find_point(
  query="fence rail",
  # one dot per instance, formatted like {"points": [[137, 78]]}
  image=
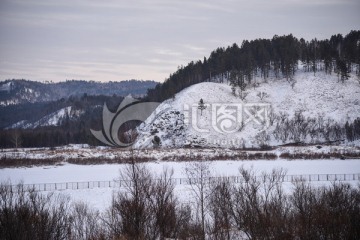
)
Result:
{"points": [[184, 181]]}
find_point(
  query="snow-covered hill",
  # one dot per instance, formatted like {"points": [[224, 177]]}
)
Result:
{"points": [[313, 104], [53, 119]]}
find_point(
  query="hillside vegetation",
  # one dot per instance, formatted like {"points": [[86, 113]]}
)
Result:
{"points": [[340, 55]]}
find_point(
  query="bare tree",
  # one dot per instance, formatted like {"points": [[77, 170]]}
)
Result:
{"points": [[292, 83], [198, 174], [272, 116], [220, 206], [148, 208], [128, 214], [16, 138], [85, 223], [170, 218]]}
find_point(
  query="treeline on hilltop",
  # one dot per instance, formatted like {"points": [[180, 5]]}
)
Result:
{"points": [[280, 55]]}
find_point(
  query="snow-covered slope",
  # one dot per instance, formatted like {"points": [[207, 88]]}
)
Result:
{"points": [[53, 119], [320, 98]]}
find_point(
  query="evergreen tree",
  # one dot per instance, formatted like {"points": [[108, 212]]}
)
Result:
{"points": [[201, 106], [342, 69]]}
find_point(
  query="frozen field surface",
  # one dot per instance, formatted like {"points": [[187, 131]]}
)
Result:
{"points": [[109, 172], [100, 198]]}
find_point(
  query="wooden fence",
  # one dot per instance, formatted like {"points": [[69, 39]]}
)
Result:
{"points": [[185, 181]]}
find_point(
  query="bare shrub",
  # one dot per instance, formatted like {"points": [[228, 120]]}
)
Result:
{"points": [[263, 139], [259, 206], [169, 217], [6, 162], [253, 206], [326, 213], [148, 209], [129, 212], [27, 214], [220, 209], [85, 223]]}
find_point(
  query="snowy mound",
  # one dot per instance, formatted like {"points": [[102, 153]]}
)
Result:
{"points": [[273, 113]]}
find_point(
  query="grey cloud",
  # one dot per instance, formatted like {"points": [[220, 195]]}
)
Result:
{"points": [[115, 40]]}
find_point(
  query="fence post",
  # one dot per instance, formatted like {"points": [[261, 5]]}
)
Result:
{"points": [[77, 185]]}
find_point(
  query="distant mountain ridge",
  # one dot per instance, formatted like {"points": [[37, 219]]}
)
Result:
{"points": [[55, 113], [15, 91]]}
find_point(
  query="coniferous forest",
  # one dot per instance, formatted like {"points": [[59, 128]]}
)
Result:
{"points": [[280, 55]]}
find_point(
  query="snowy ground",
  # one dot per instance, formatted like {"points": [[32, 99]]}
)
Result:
{"points": [[84, 152], [100, 198]]}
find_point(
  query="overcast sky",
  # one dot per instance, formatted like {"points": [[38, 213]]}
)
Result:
{"points": [[108, 40]]}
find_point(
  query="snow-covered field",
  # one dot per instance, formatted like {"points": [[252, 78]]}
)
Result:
{"points": [[84, 152], [108, 172], [100, 198]]}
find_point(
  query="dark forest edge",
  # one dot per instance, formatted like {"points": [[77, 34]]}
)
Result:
{"points": [[281, 54]]}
